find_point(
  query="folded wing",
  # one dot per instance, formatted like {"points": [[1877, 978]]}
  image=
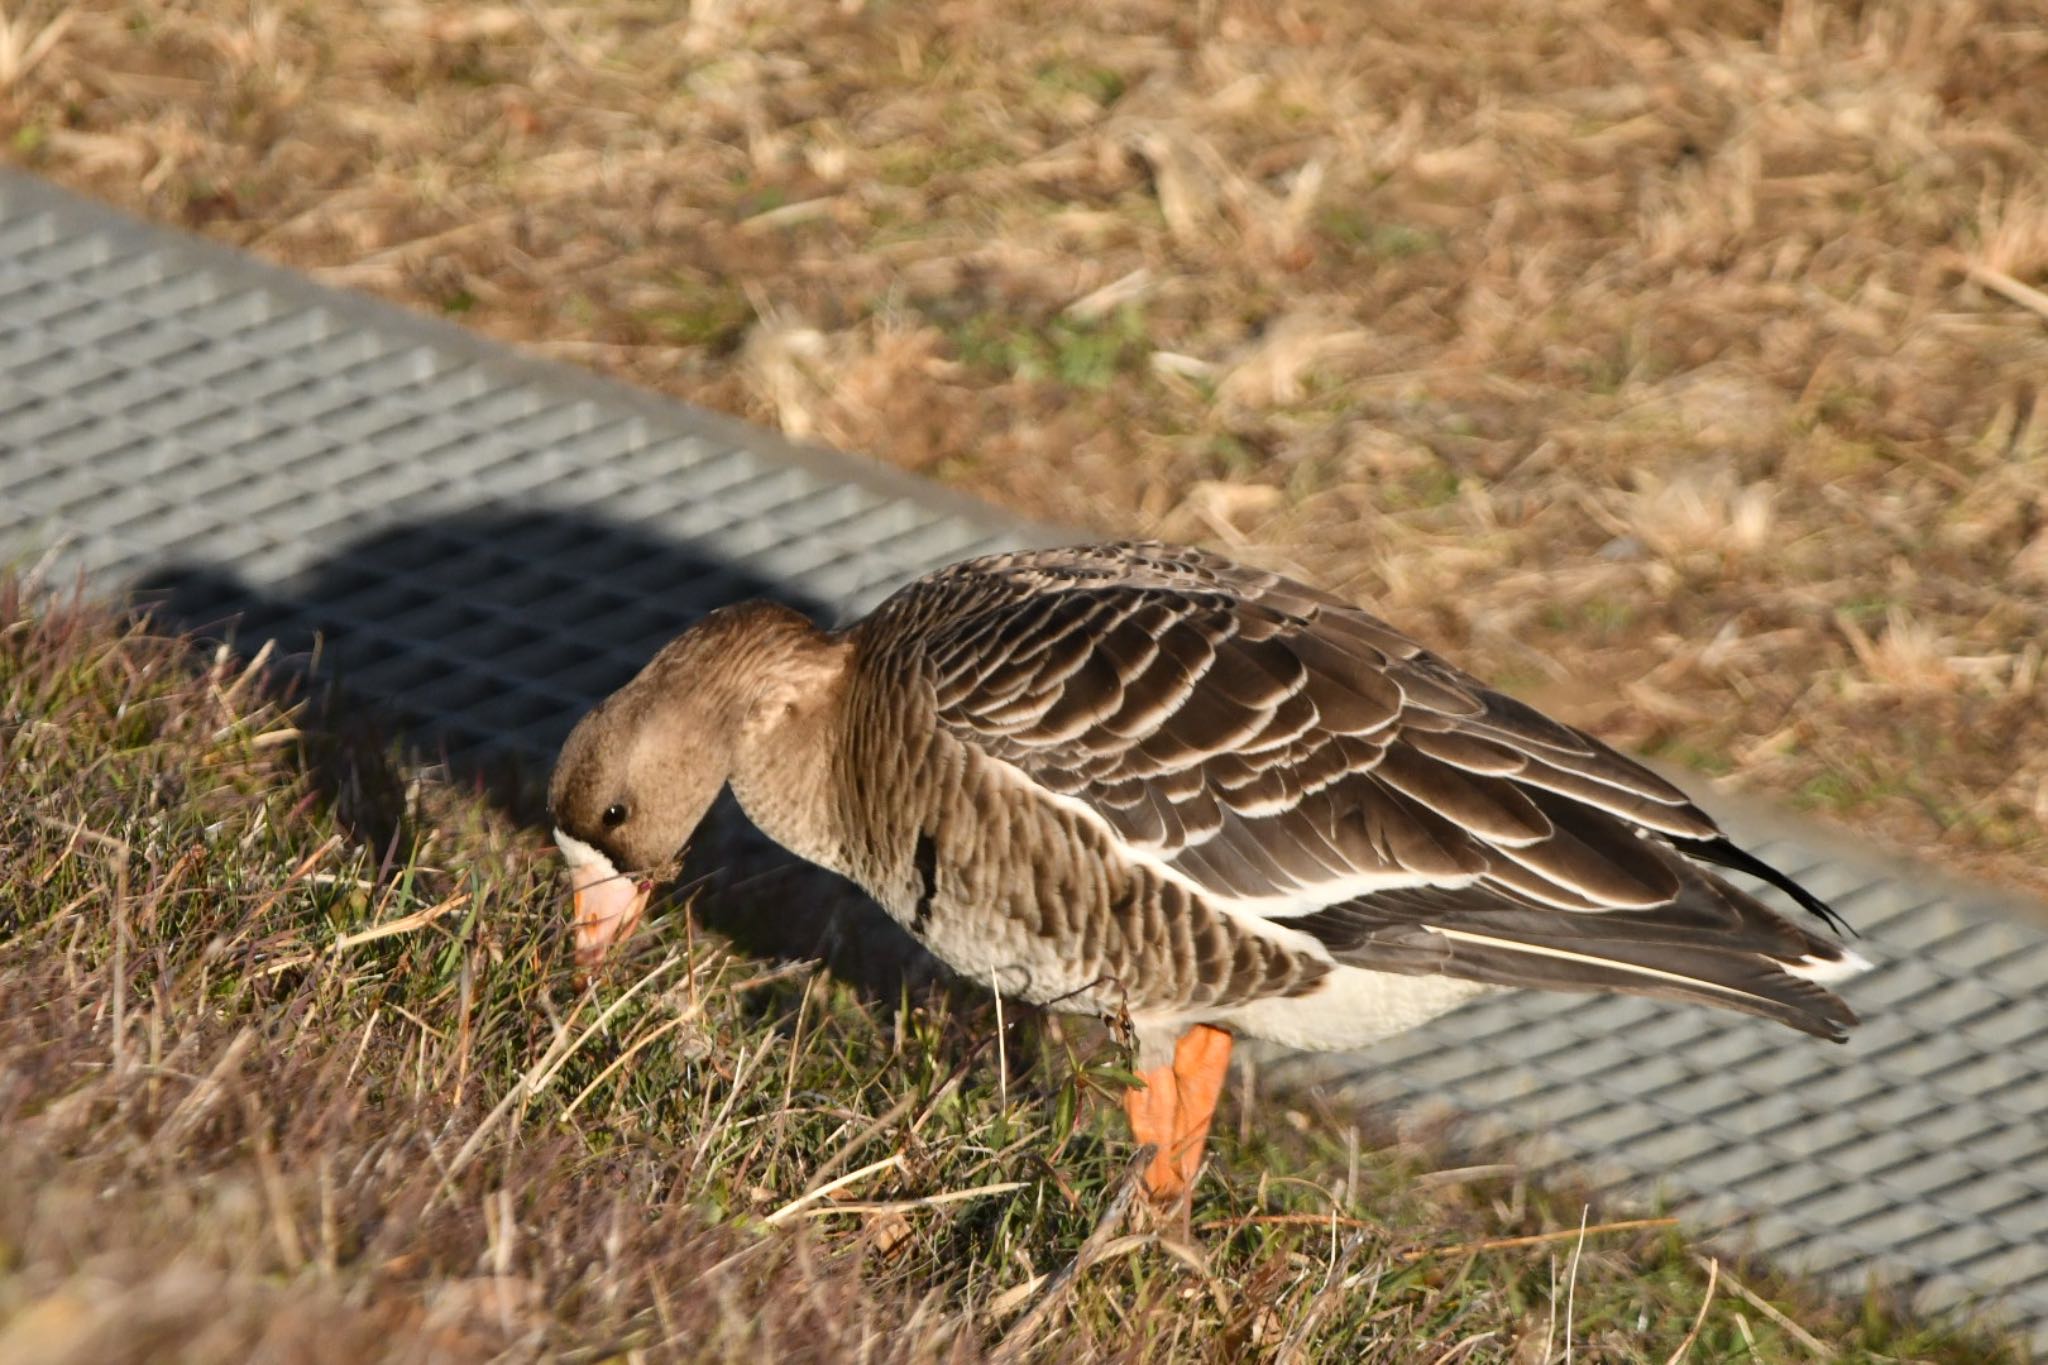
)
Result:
{"points": [[1295, 760]]}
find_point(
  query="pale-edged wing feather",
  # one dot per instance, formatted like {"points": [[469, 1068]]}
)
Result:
{"points": [[1289, 756], [1710, 943]]}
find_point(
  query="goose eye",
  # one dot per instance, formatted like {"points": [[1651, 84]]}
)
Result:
{"points": [[614, 816]]}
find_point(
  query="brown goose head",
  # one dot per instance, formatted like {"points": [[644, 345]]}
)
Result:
{"points": [[637, 774]]}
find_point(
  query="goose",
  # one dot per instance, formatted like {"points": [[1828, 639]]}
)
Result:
{"points": [[1197, 799]]}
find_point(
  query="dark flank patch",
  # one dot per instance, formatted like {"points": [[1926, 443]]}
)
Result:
{"points": [[927, 879]]}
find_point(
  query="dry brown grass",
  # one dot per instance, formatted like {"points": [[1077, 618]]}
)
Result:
{"points": [[1698, 348]]}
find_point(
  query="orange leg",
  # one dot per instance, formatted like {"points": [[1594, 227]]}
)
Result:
{"points": [[1174, 1107]]}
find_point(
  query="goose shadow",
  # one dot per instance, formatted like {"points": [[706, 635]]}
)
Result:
{"points": [[475, 642]]}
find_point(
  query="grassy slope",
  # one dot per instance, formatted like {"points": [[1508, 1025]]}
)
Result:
{"points": [[1687, 343], [289, 1062]]}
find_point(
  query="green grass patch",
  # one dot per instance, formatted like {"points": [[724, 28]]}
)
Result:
{"points": [[701, 313], [1350, 226], [1083, 354], [1066, 75]]}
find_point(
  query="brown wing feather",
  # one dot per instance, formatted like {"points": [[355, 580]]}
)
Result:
{"points": [[1290, 755], [1165, 687]]}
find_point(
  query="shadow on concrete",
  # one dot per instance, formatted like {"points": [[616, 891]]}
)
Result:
{"points": [[475, 642]]}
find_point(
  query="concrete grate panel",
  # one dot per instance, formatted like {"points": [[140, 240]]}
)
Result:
{"points": [[489, 543]]}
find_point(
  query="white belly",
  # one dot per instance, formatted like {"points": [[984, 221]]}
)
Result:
{"points": [[1352, 1008]]}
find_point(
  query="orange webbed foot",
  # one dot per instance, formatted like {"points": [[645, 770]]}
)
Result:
{"points": [[1174, 1108]]}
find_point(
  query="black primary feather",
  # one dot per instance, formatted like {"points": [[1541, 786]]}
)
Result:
{"points": [[1722, 852]]}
